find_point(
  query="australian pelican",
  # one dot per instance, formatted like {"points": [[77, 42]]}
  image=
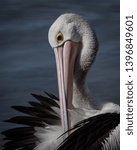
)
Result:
{"points": [[73, 121]]}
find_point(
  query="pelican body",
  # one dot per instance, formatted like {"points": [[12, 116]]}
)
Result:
{"points": [[73, 121]]}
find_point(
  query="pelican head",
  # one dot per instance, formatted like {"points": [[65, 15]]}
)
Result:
{"points": [[75, 46]]}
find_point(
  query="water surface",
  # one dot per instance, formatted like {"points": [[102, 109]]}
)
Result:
{"points": [[27, 63]]}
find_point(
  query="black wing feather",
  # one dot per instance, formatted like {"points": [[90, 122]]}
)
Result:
{"points": [[19, 143], [49, 102], [39, 114], [90, 133], [52, 96], [16, 133], [34, 111], [27, 120]]}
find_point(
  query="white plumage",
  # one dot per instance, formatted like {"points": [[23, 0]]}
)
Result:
{"points": [[49, 136]]}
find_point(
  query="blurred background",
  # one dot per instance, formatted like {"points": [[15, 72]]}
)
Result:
{"points": [[27, 63]]}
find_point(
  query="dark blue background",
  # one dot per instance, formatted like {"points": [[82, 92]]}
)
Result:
{"points": [[27, 63]]}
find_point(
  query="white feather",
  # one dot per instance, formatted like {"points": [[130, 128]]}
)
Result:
{"points": [[113, 141], [48, 137]]}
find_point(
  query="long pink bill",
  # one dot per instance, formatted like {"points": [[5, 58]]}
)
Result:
{"points": [[65, 60]]}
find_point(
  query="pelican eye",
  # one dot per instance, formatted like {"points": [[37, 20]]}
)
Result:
{"points": [[59, 37]]}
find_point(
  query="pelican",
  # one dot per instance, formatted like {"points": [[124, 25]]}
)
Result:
{"points": [[73, 121]]}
